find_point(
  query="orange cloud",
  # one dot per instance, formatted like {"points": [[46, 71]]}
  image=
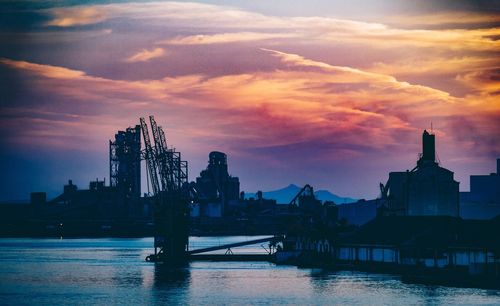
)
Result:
{"points": [[342, 109], [446, 18], [485, 81], [44, 70], [74, 16]]}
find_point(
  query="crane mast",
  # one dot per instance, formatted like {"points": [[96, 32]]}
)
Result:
{"points": [[168, 175]]}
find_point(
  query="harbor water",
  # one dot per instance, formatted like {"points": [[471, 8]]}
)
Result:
{"points": [[113, 272]]}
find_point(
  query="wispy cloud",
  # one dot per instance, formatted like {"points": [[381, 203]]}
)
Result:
{"points": [[323, 29], [146, 55], [224, 38], [445, 19], [416, 66], [44, 70]]}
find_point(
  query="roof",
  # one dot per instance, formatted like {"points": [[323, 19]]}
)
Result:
{"points": [[428, 231]]}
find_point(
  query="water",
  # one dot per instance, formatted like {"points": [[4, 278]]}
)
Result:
{"points": [[113, 272]]}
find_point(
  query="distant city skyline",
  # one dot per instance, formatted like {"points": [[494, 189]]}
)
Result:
{"points": [[327, 93]]}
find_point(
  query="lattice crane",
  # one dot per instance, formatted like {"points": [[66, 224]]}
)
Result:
{"points": [[168, 176]]}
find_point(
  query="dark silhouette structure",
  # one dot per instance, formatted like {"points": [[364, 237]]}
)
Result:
{"points": [[486, 188], [426, 190], [428, 149], [360, 212], [483, 199], [125, 162], [168, 176], [216, 188], [444, 250], [97, 202]]}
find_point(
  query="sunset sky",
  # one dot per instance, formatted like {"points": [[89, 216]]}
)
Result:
{"points": [[331, 93]]}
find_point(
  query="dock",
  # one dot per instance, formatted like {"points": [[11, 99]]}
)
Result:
{"points": [[231, 245], [231, 257]]}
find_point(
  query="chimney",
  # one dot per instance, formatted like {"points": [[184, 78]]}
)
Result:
{"points": [[429, 147]]}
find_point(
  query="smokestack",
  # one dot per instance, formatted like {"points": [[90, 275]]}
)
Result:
{"points": [[428, 147], [498, 166]]}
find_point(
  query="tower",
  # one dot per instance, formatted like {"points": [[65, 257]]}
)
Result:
{"points": [[125, 162], [216, 185], [428, 147]]}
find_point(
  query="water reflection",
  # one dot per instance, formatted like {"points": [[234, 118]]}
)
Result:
{"points": [[113, 272], [171, 277], [171, 284]]}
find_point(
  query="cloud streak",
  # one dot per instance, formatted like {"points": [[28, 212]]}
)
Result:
{"points": [[146, 55], [323, 29], [224, 38]]}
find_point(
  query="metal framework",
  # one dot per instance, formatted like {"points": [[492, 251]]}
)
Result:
{"points": [[125, 162], [306, 190], [169, 180]]}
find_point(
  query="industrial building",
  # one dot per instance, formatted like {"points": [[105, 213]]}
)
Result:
{"points": [[451, 250], [360, 212], [426, 190], [97, 202], [483, 199], [216, 188], [125, 162]]}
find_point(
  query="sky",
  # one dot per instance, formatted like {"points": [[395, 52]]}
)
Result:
{"points": [[335, 94]]}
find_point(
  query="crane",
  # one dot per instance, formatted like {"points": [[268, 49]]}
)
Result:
{"points": [[168, 175]]}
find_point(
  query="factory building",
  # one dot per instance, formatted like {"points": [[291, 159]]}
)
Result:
{"points": [[360, 212], [426, 190], [97, 202], [216, 188], [483, 199]]}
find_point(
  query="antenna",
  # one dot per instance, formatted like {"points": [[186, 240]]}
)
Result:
{"points": [[431, 128]]}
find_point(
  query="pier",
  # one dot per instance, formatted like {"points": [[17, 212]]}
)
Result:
{"points": [[201, 254]]}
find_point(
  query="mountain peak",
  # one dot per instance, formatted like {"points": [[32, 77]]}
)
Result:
{"points": [[285, 195]]}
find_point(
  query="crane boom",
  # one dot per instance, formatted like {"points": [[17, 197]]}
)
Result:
{"points": [[169, 178], [150, 158]]}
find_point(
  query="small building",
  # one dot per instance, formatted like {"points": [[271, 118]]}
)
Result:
{"points": [[483, 199]]}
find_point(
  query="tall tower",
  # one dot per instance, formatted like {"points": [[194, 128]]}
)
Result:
{"points": [[428, 147], [215, 184], [125, 162], [217, 165]]}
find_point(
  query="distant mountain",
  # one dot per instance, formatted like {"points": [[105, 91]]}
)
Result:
{"points": [[286, 194]]}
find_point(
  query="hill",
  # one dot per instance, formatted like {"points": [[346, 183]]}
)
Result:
{"points": [[286, 194]]}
